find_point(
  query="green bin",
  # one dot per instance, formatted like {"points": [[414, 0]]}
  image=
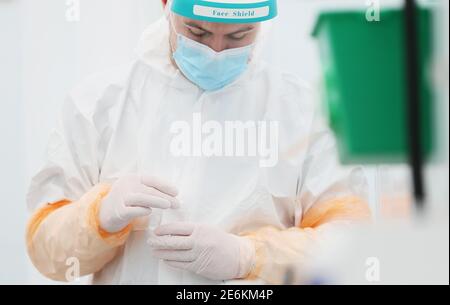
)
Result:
{"points": [[366, 85]]}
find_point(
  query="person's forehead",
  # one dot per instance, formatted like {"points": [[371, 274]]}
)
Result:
{"points": [[215, 27]]}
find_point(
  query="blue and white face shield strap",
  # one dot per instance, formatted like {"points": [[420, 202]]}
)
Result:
{"points": [[226, 11]]}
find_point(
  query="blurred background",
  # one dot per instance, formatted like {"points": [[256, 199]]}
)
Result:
{"points": [[48, 46]]}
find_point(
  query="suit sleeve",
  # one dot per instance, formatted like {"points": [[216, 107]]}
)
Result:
{"points": [[330, 198], [65, 195]]}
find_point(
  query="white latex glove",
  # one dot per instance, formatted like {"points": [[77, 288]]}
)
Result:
{"points": [[134, 196], [204, 250]]}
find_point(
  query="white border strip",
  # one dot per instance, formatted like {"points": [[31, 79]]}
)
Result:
{"points": [[227, 13]]}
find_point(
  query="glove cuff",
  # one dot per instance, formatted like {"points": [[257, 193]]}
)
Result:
{"points": [[247, 257], [114, 239]]}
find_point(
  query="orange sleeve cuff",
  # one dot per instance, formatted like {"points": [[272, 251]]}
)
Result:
{"points": [[40, 215], [349, 208], [116, 238], [113, 239], [277, 249]]}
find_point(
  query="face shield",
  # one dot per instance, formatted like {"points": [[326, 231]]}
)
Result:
{"points": [[211, 48]]}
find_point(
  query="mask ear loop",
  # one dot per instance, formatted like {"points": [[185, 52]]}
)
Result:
{"points": [[170, 16], [167, 9]]}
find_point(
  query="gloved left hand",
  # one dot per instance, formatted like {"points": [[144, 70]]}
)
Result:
{"points": [[204, 250]]}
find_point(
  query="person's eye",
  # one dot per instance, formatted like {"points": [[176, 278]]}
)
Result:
{"points": [[197, 32], [238, 37]]}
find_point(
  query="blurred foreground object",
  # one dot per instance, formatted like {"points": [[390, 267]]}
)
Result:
{"points": [[365, 82], [390, 254], [379, 92]]}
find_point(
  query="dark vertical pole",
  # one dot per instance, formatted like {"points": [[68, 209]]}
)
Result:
{"points": [[413, 99]]}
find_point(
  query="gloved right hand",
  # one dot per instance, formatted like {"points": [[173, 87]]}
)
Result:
{"points": [[134, 196]]}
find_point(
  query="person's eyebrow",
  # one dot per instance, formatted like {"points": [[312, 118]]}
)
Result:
{"points": [[193, 25]]}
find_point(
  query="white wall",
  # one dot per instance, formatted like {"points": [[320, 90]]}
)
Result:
{"points": [[12, 223], [66, 52]]}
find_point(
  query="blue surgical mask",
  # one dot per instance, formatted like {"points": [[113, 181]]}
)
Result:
{"points": [[208, 69]]}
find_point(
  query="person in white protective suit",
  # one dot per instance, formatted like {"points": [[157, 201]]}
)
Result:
{"points": [[115, 195]]}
